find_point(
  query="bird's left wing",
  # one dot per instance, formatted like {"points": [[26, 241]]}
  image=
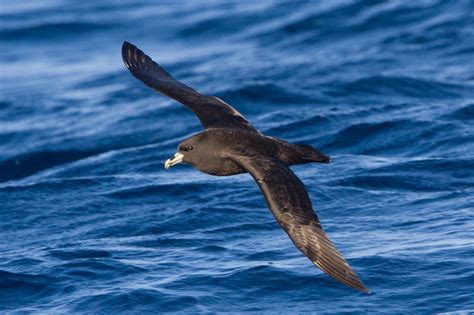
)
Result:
{"points": [[288, 201], [211, 111]]}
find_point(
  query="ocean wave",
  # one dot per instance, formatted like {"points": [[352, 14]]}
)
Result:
{"points": [[56, 30], [26, 165], [401, 86], [91, 221]]}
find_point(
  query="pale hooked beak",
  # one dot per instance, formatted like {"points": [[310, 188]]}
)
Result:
{"points": [[178, 158]]}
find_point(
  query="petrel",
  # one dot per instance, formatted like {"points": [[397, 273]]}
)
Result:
{"points": [[230, 145]]}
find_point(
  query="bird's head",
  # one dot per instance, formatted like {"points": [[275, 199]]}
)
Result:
{"points": [[192, 151]]}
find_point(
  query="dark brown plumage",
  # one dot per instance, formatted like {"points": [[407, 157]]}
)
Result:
{"points": [[231, 145]]}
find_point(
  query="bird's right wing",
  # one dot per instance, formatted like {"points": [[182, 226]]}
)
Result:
{"points": [[211, 111], [288, 201]]}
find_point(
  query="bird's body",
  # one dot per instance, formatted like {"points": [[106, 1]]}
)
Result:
{"points": [[230, 145], [228, 142]]}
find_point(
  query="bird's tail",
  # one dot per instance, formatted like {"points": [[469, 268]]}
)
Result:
{"points": [[311, 154]]}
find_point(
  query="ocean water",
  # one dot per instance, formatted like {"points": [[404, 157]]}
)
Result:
{"points": [[90, 222]]}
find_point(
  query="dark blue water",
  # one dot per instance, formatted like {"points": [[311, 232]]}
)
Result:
{"points": [[91, 222]]}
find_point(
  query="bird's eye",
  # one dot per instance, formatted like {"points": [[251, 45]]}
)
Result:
{"points": [[188, 148]]}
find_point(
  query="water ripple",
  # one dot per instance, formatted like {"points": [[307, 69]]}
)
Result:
{"points": [[90, 220]]}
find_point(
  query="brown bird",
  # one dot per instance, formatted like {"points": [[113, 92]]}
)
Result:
{"points": [[230, 145]]}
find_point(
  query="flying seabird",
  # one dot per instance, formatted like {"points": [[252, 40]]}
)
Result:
{"points": [[230, 145]]}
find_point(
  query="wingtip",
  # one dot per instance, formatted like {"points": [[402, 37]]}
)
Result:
{"points": [[126, 55], [126, 45], [357, 285], [348, 277], [364, 289], [130, 55]]}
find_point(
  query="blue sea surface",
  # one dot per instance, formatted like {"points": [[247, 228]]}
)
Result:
{"points": [[90, 222]]}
